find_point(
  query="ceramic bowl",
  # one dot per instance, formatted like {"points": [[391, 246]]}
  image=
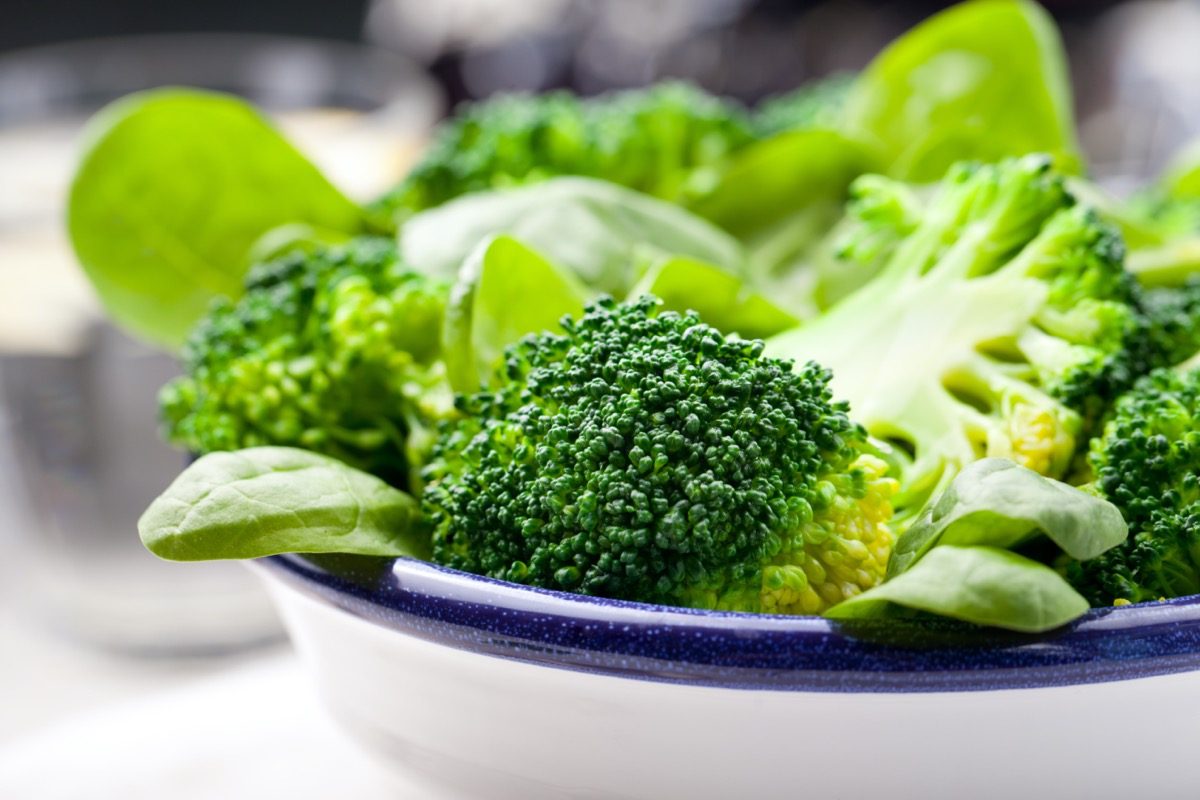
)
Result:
{"points": [[475, 688]]}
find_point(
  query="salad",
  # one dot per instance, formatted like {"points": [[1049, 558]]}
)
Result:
{"points": [[878, 347]]}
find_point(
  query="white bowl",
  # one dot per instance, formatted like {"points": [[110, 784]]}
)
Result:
{"points": [[474, 688]]}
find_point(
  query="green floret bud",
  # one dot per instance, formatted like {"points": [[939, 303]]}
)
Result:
{"points": [[642, 455], [1001, 321], [1174, 321], [332, 349], [668, 140], [1147, 463]]}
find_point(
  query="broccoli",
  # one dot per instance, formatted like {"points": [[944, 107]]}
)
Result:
{"points": [[1000, 324], [1147, 463], [1166, 263], [641, 455], [815, 104], [1173, 314], [333, 349], [667, 140]]}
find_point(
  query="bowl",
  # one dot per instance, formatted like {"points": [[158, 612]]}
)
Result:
{"points": [[476, 688]]}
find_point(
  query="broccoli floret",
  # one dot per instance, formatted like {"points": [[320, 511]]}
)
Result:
{"points": [[1147, 463], [879, 213], [1174, 321], [1165, 259], [668, 140], [332, 349], [817, 103], [998, 325], [641, 455]]}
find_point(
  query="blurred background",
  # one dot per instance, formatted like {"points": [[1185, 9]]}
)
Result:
{"points": [[88, 620]]}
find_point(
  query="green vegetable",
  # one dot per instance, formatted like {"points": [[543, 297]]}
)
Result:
{"points": [[333, 349], [490, 306], [597, 230], [768, 183], [590, 275], [1166, 256], [721, 299], [983, 80], [173, 188], [1181, 179], [981, 585], [504, 291], [641, 455], [268, 500], [996, 327], [879, 214], [998, 503], [954, 561], [667, 140], [1173, 314], [1168, 265], [816, 104], [1147, 462]]}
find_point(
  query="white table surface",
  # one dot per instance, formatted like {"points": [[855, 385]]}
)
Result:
{"points": [[77, 724]]}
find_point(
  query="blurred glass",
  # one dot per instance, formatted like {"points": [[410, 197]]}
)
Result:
{"points": [[80, 456]]}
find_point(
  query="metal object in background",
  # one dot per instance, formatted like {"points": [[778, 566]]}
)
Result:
{"points": [[80, 456], [85, 456], [1141, 68]]}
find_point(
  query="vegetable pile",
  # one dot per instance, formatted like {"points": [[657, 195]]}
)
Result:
{"points": [[875, 348]]}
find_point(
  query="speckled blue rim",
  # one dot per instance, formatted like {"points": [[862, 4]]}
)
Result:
{"points": [[744, 651]]}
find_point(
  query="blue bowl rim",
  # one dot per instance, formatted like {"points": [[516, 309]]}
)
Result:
{"points": [[748, 651]]}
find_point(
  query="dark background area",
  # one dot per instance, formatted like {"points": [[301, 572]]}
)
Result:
{"points": [[764, 46], [1135, 64], [33, 22]]}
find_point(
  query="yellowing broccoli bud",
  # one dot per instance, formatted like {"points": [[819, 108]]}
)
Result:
{"points": [[845, 548], [1041, 438]]}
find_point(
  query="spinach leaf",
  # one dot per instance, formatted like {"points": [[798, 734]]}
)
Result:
{"points": [[981, 585], [173, 188], [267, 500], [982, 80], [504, 291], [769, 182], [722, 299], [998, 503], [596, 229]]}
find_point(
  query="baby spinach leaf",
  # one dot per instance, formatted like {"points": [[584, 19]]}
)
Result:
{"points": [[982, 80], [596, 229], [173, 188], [981, 585], [504, 291], [267, 500], [722, 299], [771, 181], [996, 502]]}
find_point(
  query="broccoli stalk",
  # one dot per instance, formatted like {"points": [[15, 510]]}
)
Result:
{"points": [[642, 455], [334, 350], [997, 326]]}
